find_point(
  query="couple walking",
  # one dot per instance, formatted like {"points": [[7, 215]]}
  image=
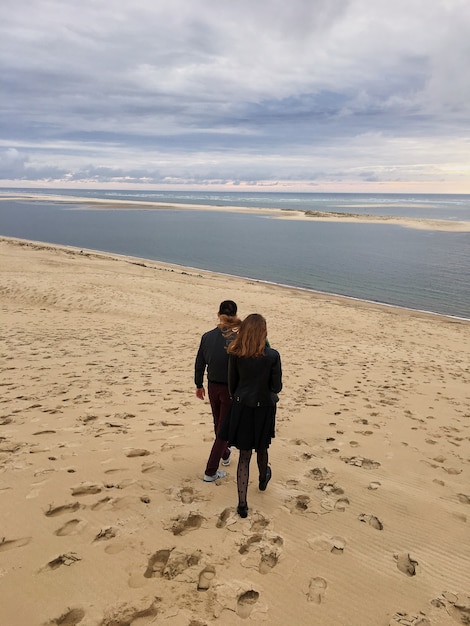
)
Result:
{"points": [[244, 377]]}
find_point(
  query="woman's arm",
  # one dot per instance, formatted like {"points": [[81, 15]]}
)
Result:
{"points": [[275, 382]]}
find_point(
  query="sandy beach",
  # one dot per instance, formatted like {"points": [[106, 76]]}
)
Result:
{"points": [[321, 216], [104, 517]]}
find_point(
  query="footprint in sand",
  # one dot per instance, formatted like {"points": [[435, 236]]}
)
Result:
{"points": [[371, 520], [106, 533], [301, 503], [9, 544], [292, 483], [332, 504], [73, 527], [157, 564], [186, 524], [254, 539], [86, 489], [456, 605], [126, 616], [316, 590], [325, 543], [71, 617], [399, 619], [169, 564], [452, 470], [63, 559], [331, 489], [360, 461], [136, 452], [64, 508], [269, 559], [318, 473], [224, 517], [341, 504], [337, 545], [206, 577], [101, 503], [148, 468], [259, 522], [246, 602], [299, 442], [186, 495], [406, 564], [270, 550], [179, 562]]}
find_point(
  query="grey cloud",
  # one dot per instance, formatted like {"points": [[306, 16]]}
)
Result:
{"points": [[184, 85]]}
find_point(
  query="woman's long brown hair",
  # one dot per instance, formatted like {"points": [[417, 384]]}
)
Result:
{"points": [[251, 338]]}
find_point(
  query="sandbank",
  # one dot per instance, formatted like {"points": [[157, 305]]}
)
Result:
{"points": [[320, 216], [105, 519]]}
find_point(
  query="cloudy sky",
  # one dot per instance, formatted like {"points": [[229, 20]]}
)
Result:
{"points": [[308, 95]]}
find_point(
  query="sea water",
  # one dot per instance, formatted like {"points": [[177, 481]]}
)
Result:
{"points": [[385, 263]]}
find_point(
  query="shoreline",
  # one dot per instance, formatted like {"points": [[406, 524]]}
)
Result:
{"points": [[286, 214], [184, 269]]}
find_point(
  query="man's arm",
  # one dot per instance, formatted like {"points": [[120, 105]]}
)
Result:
{"points": [[199, 369], [232, 374]]}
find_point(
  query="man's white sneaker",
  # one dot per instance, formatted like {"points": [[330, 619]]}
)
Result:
{"points": [[216, 476]]}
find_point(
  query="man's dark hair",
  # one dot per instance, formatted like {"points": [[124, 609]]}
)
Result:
{"points": [[228, 307]]}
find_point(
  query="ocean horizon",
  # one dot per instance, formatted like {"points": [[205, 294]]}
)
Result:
{"points": [[425, 270]]}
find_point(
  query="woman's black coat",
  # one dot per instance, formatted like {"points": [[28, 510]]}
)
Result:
{"points": [[255, 381]]}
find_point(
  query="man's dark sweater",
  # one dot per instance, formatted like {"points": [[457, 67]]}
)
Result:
{"points": [[213, 354]]}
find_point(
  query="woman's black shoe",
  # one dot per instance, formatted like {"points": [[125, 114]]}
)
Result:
{"points": [[264, 483], [242, 510]]}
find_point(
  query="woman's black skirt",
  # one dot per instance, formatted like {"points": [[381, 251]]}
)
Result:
{"points": [[249, 427]]}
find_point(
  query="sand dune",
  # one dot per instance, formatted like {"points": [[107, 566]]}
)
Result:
{"points": [[104, 517]]}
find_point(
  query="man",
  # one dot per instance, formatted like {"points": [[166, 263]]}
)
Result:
{"points": [[212, 354]]}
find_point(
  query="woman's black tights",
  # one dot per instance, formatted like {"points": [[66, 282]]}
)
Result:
{"points": [[243, 471]]}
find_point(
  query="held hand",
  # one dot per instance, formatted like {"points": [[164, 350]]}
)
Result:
{"points": [[200, 393]]}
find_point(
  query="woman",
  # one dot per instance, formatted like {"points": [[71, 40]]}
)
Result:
{"points": [[254, 380]]}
